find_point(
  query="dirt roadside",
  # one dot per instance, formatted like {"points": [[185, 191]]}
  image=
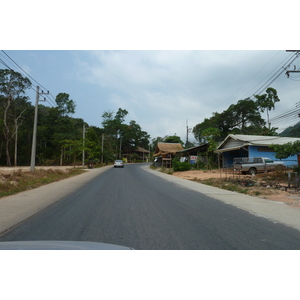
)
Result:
{"points": [[21, 206], [9, 170], [265, 192]]}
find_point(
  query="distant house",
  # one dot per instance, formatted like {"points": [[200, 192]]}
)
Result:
{"points": [[139, 153], [191, 155], [165, 152], [236, 145]]}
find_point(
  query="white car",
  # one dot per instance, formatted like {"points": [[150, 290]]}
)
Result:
{"points": [[118, 164]]}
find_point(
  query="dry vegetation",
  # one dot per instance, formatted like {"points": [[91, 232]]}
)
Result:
{"points": [[271, 186], [15, 180]]}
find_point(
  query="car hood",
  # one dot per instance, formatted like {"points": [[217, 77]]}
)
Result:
{"points": [[59, 245]]}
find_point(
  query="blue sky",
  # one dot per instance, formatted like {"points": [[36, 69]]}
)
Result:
{"points": [[160, 89]]}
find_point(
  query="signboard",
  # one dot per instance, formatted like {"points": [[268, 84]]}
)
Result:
{"points": [[193, 159]]}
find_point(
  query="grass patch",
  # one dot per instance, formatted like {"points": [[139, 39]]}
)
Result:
{"points": [[226, 185], [20, 181]]}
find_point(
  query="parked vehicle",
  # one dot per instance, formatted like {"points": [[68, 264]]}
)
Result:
{"points": [[118, 164], [253, 165]]}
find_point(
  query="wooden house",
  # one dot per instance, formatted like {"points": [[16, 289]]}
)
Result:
{"points": [[165, 152]]}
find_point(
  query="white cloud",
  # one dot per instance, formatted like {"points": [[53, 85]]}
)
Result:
{"points": [[162, 89]]}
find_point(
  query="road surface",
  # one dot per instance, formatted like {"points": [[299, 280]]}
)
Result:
{"points": [[135, 208]]}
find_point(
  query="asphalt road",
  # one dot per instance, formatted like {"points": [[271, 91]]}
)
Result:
{"points": [[134, 208]]}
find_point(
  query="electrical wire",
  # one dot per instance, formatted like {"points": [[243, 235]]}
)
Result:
{"points": [[23, 70], [276, 75], [290, 110], [4, 63], [251, 77], [47, 96], [285, 60]]}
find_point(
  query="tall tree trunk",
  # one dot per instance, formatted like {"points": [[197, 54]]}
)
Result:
{"points": [[61, 156], [16, 144], [6, 132]]}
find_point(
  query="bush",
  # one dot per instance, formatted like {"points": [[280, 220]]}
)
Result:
{"points": [[181, 166], [296, 169]]}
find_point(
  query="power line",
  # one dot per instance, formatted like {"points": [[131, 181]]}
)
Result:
{"points": [[23, 70], [4, 63], [276, 75], [245, 95], [251, 77], [49, 101]]}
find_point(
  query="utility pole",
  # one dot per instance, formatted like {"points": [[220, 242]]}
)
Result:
{"points": [[83, 142], [293, 71], [120, 146], [33, 149], [188, 130], [102, 149]]}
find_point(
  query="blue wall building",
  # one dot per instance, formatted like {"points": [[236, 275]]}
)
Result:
{"points": [[236, 145]]}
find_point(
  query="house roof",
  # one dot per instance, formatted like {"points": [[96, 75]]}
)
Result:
{"points": [[167, 148], [237, 141], [140, 149], [200, 148]]}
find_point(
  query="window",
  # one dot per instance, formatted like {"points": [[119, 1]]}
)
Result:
{"points": [[264, 149]]}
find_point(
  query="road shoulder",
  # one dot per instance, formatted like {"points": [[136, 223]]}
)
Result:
{"points": [[274, 211], [17, 208]]}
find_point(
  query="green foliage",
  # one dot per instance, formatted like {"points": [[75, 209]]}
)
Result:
{"points": [[181, 166], [243, 118], [14, 104], [296, 169], [200, 164], [120, 137], [173, 139], [267, 101], [292, 131], [286, 150], [59, 136], [64, 104], [167, 139], [211, 135]]}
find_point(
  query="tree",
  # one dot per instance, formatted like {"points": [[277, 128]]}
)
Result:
{"points": [[76, 147], [94, 140], [64, 104], [112, 124], [113, 128], [267, 101], [54, 127], [286, 150], [133, 136], [157, 140], [241, 118], [166, 139], [14, 103], [211, 134], [173, 139]]}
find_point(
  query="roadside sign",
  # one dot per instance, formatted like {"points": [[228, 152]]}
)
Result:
{"points": [[193, 159]]}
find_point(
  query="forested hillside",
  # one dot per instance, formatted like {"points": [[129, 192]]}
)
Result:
{"points": [[292, 131], [61, 138]]}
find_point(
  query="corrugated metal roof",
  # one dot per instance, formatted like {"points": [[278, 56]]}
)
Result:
{"points": [[234, 141], [200, 147]]}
